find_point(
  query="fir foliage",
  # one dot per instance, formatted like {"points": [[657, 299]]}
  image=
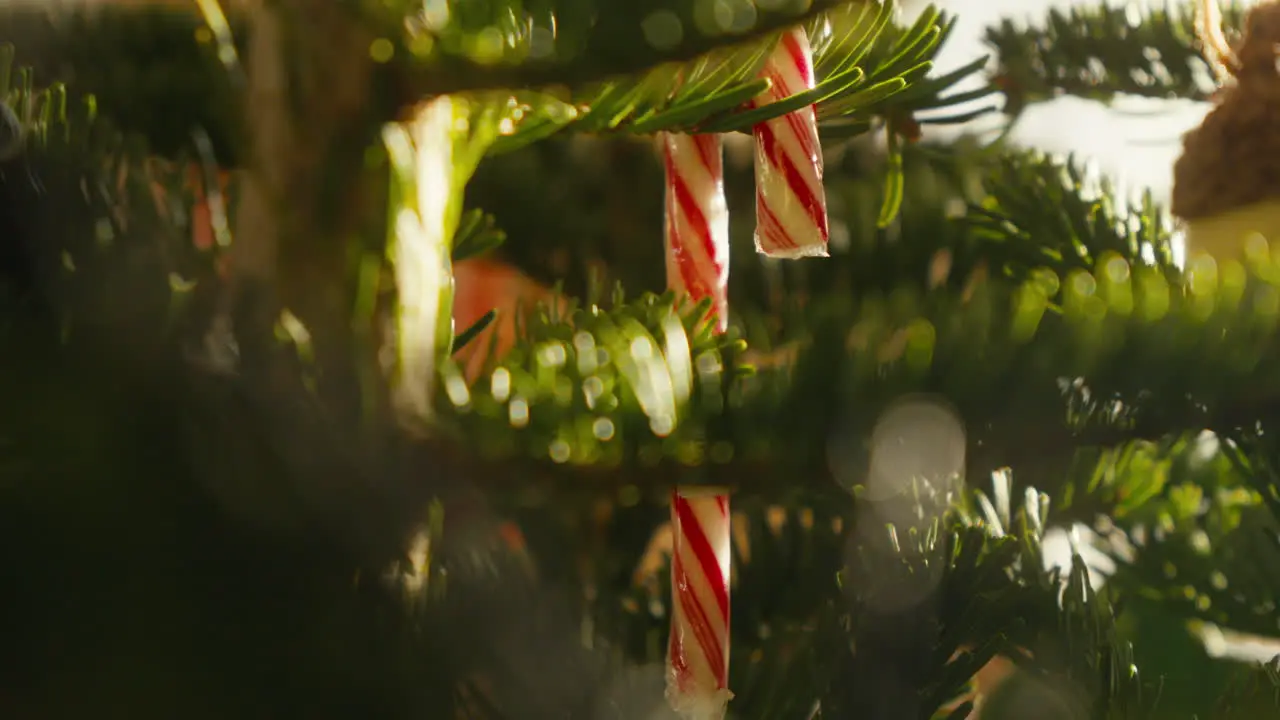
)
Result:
{"points": [[1085, 364], [1103, 51]]}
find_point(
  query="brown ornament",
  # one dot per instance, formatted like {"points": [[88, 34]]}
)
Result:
{"points": [[1227, 181]]}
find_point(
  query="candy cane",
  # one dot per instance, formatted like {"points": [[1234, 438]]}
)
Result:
{"points": [[697, 242], [697, 221], [791, 205], [698, 651]]}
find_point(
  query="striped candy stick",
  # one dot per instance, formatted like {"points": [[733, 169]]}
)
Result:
{"points": [[697, 220], [698, 651], [791, 205], [697, 243]]}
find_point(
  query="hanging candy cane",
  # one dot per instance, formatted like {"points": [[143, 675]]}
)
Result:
{"points": [[791, 205], [697, 222], [697, 242], [698, 651]]}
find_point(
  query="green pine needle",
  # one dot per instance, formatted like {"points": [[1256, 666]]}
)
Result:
{"points": [[1101, 52], [866, 68], [464, 338]]}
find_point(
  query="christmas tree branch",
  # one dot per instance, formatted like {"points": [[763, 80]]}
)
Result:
{"points": [[591, 47], [1039, 451], [865, 67], [1254, 692], [868, 68], [1042, 225], [741, 440], [1100, 52]]}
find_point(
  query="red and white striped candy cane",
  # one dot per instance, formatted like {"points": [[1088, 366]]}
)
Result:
{"points": [[698, 652], [697, 241], [697, 221], [791, 205]]}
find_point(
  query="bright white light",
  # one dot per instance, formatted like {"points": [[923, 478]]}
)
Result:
{"points": [[916, 439]]}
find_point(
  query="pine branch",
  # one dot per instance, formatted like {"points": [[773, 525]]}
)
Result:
{"points": [[108, 51], [1100, 52], [1185, 530], [590, 46], [924, 604], [1077, 302], [90, 197], [980, 340], [866, 68], [1056, 215], [561, 44], [589, 50], [1254, 693]]}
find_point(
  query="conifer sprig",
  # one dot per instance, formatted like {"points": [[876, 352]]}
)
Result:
{"points": [[866, 66], [1099, 52]]}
